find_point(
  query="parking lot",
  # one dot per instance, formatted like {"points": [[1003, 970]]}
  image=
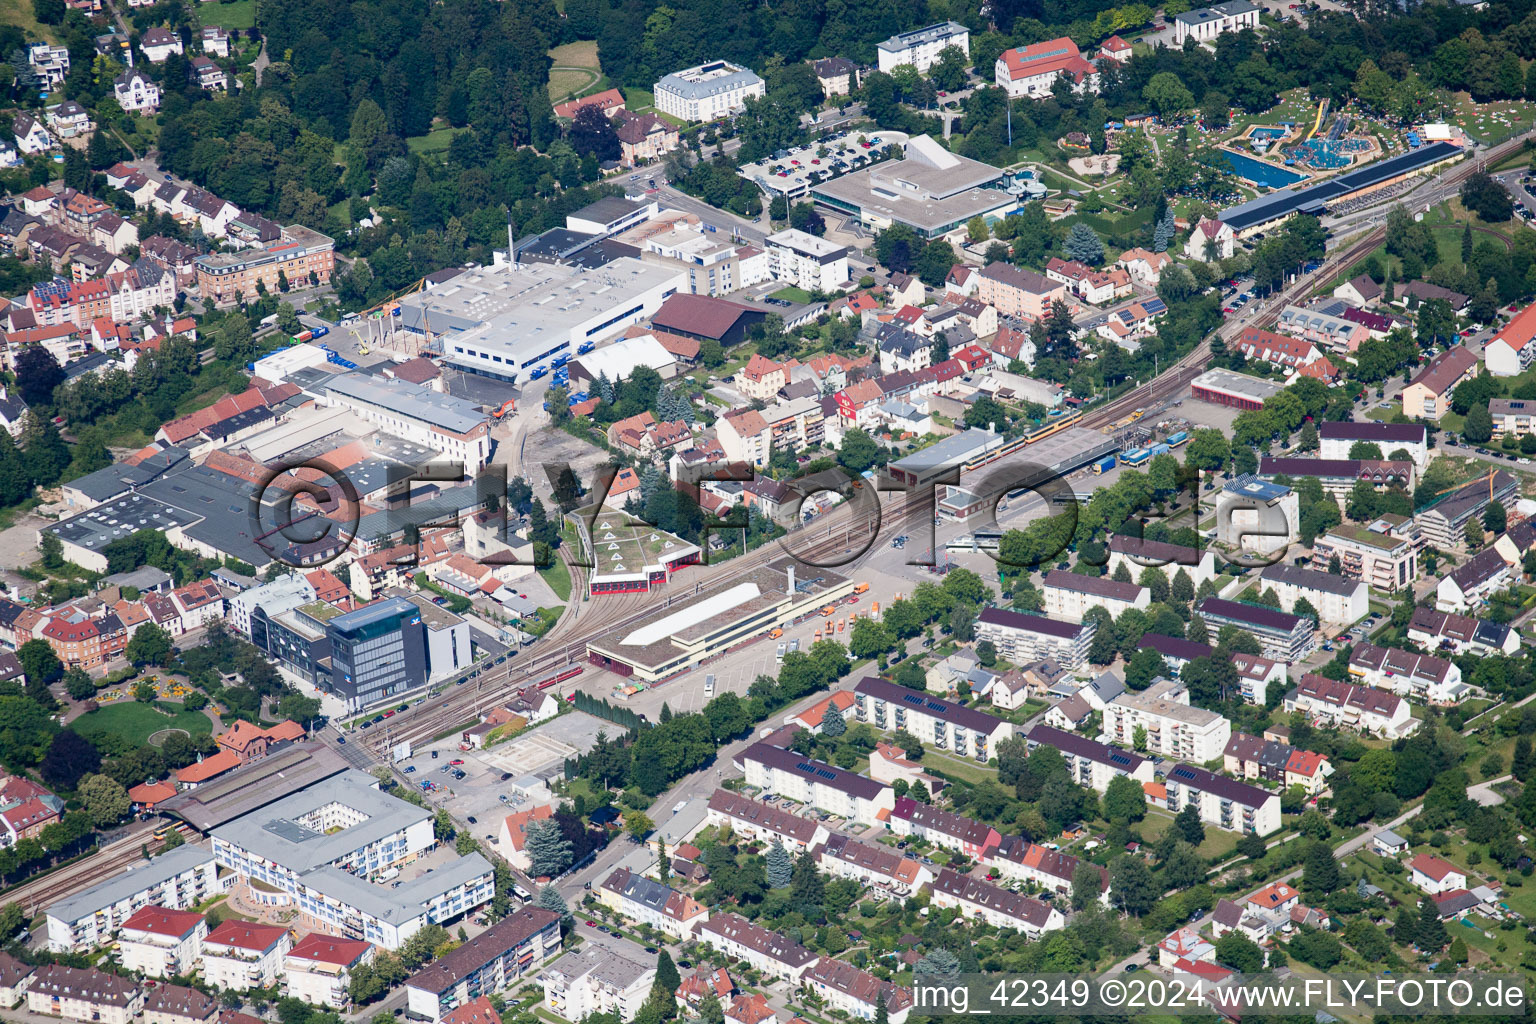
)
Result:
{"points": [[792, 172], [478, 784]]}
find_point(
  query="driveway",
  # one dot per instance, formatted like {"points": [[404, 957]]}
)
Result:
{"points": [[1485, 794]]}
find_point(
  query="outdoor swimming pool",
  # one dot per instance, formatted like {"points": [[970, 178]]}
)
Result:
{"points": [[1259, 172], [1266, 133]]}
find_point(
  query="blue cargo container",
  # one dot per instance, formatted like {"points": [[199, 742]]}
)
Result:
{"points": [[1157, 449], [1104, 465], [1135, 457], [1177, 439]]}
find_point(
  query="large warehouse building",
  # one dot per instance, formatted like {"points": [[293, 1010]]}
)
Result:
{"points": [[508, 321]]}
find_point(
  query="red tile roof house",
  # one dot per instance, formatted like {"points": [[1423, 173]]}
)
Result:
{"points": [[1435, 876], [477, 1011], [609, 101], [319, 968], [812, 716], [242, 955], [161, 943]]}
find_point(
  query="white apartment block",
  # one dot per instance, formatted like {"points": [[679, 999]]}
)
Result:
{"points": [[1207, 23], [1022, 637], [816, 784], [921, 46], [962, 731], [318, 969], [161, 943], [1090, 763], [1138, 555], [178, 880], [766, 951], [596, 980], [241, 955], [802, 259], [1069, 595], [1337, 438], [1383, 554], [84, 995], [1174, 728], [1229, 805], [764, 823], [1255, 675], [708, 91], [1337, 599]]}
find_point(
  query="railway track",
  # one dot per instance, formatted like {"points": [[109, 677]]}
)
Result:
{"points": [[36, 896]]}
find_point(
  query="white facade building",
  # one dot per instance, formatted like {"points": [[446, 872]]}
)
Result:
{"points": [[1229, 805], [325, 849], [1337, 599], [241, 955], [319, 968], [962, 731], [921, 47], [767, 951], [802, 259], [178, 880], [786, 773], [1207, 23], [1069, 595], [1174, 728], [708, 91], [161, 943], [596, 980]]}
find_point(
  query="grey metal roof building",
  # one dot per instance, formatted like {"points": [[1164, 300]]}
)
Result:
{"points": [[413, 401], [136, 880]]}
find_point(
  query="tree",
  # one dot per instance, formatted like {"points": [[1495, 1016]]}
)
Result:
{"points": [[1430, 934], [551, 900], [37, 374], [592, 132], [937, 962], [549, 852], [1167, 95], [948, 72], [1478, 427], [1320, 872], [38, 662], [832, 723], [1487, 198], [1189, 825], [1131, 885], [70, 758], [1124, 800], [1083, 245], [78, 684], [778, 866], [149, 645], [105, 800], [858, 450], [1238, 952], [638, 824], [1087, 885]]}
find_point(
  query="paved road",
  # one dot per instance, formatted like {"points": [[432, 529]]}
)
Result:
{"points": [[1485, 794]]}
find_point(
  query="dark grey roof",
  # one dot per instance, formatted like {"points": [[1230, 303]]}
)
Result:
{"points": [[1227, 789], [1308, 579], [1081, 746]]}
